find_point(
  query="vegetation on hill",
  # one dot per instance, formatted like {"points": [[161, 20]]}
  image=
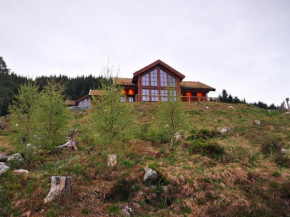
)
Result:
{"points": [[228, 98], [9, 83], [241, 172], [74, 88]]}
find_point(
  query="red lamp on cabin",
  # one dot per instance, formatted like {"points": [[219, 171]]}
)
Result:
{"points": [[131, 92], [188, 94], [124, 91], [199, 95]]}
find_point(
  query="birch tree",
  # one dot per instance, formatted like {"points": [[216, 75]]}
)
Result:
{"points": [[22, 110], [53, 116], [171, 114], [110, 115]]}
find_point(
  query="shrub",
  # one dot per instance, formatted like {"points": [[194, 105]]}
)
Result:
{"points": [[203, 134], [282, 160], [153, 135], [85, 211], [121, 190], [285, 190], [144, 131], [276, 174], [185, 210], [271, 145], [113, 209], [209, 149]]}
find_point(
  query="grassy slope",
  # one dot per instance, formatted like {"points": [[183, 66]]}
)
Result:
{"points": [[233, 184]]}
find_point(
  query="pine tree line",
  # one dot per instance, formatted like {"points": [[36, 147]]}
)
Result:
{"points": [[74, 87], [228, 98]]}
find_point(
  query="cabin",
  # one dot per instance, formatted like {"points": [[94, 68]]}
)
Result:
{"points": [[84, 102], [150, 84]]}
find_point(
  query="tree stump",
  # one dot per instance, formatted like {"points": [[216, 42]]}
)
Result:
{"points": [[177, 136], [71, 144], [59, 185], [112, 160]]}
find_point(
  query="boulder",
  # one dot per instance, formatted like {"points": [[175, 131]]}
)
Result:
{"points": [[223, 129], [3, 125], [206, 107], [112, 160], [258, 122], [150, 176], [251, 153], [3, 158], [231, 107], [127, 211], [3, 167], [283, 151], [16, 157]]}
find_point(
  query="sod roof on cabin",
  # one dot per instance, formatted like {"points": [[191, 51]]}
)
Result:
{"points": [[97, 92], [195, 85], [124, 81], [70, 102]]}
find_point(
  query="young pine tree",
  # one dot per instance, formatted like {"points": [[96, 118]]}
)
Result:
{"points": [[171, 114], [110, 116], [52, 114], [23, 110]]}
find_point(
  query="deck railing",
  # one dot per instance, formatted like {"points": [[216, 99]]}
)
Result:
{"points": [[156, 98]]}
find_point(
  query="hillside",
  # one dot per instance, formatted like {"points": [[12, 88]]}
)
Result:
{"points": [[241, 172]]}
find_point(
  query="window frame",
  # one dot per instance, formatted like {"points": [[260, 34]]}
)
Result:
{"points": [[154, 82]]}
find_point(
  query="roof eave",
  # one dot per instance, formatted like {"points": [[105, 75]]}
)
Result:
{"points": [[137, 73], [197, 89]]}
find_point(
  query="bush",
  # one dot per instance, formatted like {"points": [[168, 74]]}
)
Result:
{"points": [[209, 149], [203, 134], [114, 209], [121, 190], [285, 190], [271, 145], [153, 135], [282, 160], [276, 174]]}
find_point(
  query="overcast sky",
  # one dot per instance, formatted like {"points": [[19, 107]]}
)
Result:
{"points": [[242, 46]]}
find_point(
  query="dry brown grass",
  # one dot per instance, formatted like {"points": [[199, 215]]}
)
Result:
{"points": [[199, 186]]}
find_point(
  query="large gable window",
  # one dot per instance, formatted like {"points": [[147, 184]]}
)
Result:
{"points": [[171, 81], [164, 94], [145, 80], [145, 95], [154, 79], [154, 85], [163, 78], [154, 95]]}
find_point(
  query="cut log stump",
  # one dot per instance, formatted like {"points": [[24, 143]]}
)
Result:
{"points": [[71, 144], [112, 160], [60, 185]]}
